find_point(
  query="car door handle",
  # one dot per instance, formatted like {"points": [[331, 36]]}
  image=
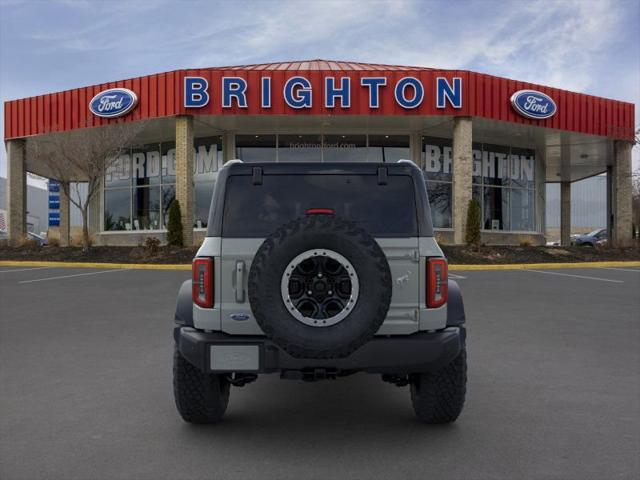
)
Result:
{"points": [[240, 281]]}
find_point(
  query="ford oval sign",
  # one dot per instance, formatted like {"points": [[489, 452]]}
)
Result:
{"points": [[114, 102], [533, 104]]}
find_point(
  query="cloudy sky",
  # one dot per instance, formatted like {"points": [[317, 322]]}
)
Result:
{"points": [[583, 45]]}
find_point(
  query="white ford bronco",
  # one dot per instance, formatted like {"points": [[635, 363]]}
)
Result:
{"points": [[316, 271]]}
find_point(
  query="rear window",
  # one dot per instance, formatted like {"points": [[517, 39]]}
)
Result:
{"points": [[382, 210]]}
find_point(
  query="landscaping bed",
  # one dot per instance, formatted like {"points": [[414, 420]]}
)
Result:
{"points": [[457, 255], [169, 255], [500, 255]]}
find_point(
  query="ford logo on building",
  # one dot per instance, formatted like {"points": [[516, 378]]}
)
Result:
{"points": [[533, 104], [114, 102]]}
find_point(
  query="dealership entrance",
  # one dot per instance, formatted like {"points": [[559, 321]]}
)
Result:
{"points": [[474, 136]]}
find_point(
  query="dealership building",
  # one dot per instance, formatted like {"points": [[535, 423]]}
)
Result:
{"points": [[474, 136]]}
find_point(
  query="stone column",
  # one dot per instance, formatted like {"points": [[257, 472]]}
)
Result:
{"points": [[65, 216], [16, 191], [184, 174], [565, 213], [462, 175], [621, 184], [228, 147], [415, 147]]}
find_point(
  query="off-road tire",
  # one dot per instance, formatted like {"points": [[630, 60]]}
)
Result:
{"points": [[438, 397], [318, 232], [200, 397]]}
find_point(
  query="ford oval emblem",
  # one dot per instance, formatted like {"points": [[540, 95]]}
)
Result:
{"points": [[114, 102], [239, 317], [533, 104]]}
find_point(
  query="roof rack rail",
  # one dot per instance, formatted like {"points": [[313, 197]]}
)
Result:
{"points": [[232, 161], [404, 160]]}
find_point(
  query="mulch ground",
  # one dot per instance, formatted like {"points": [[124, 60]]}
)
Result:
{"points": [[458, 255], [169, 255]]}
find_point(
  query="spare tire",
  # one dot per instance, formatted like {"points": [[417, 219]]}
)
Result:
{"points": [[320, 287]]}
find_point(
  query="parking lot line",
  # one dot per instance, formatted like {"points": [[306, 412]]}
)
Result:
{"points": [[457, 277], [637, 270], [70, 276], [23, 269], [575, 276]]}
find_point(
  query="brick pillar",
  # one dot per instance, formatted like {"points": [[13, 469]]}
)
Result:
{"points": [[462, 174], [565, 213], [621, 185], [184, 174], [65, 216], [16, 191]]}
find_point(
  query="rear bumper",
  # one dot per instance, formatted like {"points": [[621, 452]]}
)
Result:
{"points": [[401, 354]]}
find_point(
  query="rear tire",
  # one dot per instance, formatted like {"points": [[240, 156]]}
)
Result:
{"points": [[200, 397], [438, 397]]}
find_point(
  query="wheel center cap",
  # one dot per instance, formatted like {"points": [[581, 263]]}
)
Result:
{"points": [[319, 286]]}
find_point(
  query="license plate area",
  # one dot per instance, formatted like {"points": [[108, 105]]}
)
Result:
{"points": [[234, 358]]}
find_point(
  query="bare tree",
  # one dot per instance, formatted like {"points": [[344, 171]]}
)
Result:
{"points": [[635, 179], [82, 156]]}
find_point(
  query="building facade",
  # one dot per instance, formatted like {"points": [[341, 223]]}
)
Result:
{"points": [[477, 136]]}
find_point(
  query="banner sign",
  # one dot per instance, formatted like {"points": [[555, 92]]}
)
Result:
{"points": [[54, 203], [54, 219]]}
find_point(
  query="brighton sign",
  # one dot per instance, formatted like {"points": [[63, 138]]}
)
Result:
{"points": [[298, 93], [533, 104], [113, 103]]}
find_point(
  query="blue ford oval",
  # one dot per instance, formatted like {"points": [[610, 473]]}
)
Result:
{"points": [[533, 104], [114, 102]]}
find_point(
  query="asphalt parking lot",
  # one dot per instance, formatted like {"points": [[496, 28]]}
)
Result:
{"points": [[85, 388]]}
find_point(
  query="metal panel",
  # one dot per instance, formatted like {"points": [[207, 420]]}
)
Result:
{"points": [[161, 95]]}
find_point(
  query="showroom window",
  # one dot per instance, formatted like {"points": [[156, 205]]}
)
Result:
{"points": [[256, 148], [344, 148], [388, 148], [438, 175], [322, 148], [206, 163], [300, 148], [140, 185], [503, 183]]}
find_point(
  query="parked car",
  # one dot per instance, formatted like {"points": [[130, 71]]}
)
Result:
{"points": [[41, 240], [318, 271], [589, 239]]}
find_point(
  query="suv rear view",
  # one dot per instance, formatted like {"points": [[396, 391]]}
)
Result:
{"points": [[314, 271]]}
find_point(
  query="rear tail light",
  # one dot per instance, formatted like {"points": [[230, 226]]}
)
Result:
{"points": [[437, 282], [202, 282]]}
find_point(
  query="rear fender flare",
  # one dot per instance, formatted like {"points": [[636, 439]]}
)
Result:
{"points": [[455, 305], [184, 305]]}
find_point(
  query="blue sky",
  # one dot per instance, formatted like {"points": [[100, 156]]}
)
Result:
{"points": [[583, 45]]}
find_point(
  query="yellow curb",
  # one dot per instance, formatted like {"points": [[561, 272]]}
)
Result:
{"points": [[525, 266], [131, 266], [162, 266]]}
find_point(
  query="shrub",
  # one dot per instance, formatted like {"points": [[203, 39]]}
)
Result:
{"points": [[174, 226], [29, 243], [472, 234], [54, 242], [152, 245]]}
